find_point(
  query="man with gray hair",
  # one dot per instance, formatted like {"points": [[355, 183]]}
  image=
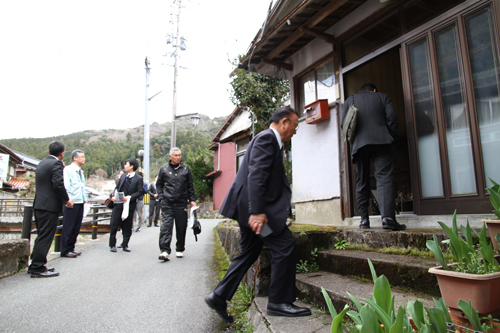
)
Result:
{"points": [[74, 182], [175, 190]]}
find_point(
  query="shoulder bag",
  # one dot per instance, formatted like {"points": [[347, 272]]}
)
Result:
{"points": [[350, 121]]}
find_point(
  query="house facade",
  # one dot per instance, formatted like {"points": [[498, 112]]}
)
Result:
{"points": [[439, 62]]}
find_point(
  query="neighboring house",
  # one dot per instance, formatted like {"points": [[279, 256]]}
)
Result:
{"points": [[438, 60], [229, 145], [19, 164]]}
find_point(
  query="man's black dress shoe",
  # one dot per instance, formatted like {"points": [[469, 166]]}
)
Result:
{"points": [[119, 246], [77, 253], [287, 310], [44, 274], [48, 269], [156, 225], [112, 249], [149, 225], [69, 255], [220, 306], [365, 224], [126, 249], [388, 223]]}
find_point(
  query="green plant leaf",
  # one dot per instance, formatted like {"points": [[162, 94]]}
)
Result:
{"points": [[436, 319], [497, 213], [494, 195], [454, 223], [399, 323], [455, 243], [442, 305], [382, 293], [416, 311], [372, 270], [381, 314], [424, 329], [471, 314], [468, 235], [358, 304], [487, 253], [329, 303], [356, 318], [337, 321], [433, 246]]}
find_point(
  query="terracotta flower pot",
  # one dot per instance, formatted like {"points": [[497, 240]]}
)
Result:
{"points": [[482, 290], [494, 229]]}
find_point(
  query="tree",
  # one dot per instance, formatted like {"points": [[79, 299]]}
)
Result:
{"points": [[263, 94], [201, 163], [101, 174]]}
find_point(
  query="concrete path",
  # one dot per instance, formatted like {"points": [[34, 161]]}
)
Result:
{"points": [[102, 291]]}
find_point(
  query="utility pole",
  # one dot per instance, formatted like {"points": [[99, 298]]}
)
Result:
{"points": [[146, 127], [176, 69]]}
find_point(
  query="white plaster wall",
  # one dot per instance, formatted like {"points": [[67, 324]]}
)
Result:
{"points": [[315, 155], [241, 123]]}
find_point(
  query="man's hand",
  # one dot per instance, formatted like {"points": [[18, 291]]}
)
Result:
{"points": [[113, 199], [69, 203], [124, 199], [193, 203], [155, 195], [256, 221]]}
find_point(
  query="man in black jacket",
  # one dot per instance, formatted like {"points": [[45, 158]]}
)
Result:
{"points": [[49, 198], [131, 186], [375, 140], [175, 189], [154, 203]]}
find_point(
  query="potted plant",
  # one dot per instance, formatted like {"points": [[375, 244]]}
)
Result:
{"points": [[474, 274], [494, 224]]}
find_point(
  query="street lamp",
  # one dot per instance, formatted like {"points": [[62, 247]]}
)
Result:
{"points": [[195, 119], [141, 157]]}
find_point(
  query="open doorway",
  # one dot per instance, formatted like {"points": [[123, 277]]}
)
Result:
{"points": [[385, 72]]}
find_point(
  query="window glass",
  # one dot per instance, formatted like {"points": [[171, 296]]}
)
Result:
{"points": [[425, 119], [462, 176], [326, 82], [482, 45], [308, 87]]}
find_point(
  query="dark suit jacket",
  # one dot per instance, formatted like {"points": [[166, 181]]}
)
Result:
{"points": [[261, 185], [135, 190], [50, 191], [377, 120]]}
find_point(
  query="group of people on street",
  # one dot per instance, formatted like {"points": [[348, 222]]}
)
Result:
{"points": [[259, 199]]}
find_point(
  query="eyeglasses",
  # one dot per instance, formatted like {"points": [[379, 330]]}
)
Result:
{"points": [[296, 125]]}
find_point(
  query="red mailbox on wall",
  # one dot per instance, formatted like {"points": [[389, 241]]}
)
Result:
{"points": [[317, 112]]}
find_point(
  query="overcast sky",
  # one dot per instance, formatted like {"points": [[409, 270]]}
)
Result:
{"points": [[68, 66]]}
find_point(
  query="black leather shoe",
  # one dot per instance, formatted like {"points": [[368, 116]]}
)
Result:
{"points": [[78, 253], [44, 274], [48, 269], [388, 223], [365, 224], [219, 304], [112, 249], [126, 249], [119, 246], [156, 225], [149, 225], [69, 255], [287, 310]]}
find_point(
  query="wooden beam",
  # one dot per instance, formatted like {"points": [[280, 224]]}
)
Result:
{"points": [[281, 64], [330, 8], [326, 37]]}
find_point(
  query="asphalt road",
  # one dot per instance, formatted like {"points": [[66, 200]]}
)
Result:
{"points": [[102, 291]]}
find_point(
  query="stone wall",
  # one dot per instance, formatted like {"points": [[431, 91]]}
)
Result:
{"points": [[14, 256]]}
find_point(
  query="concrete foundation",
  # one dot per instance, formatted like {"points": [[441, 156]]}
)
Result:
{"points": [[324, 212]]}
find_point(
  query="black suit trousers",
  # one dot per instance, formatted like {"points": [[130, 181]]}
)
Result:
{"points": [[46, 225], [284, 260], [383, 164], [72, 221], [169, 214], [125, 225], [154, 211]]}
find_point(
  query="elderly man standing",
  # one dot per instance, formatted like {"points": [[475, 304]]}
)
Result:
{"points": [[74, 182], [259, 199], [49, 198], [175, 189]]}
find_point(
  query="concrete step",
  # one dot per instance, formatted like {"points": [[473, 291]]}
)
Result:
{"points": [[319, 322], [402, 271], [309, 289]]}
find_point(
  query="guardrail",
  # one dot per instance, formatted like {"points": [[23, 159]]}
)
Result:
{"points": [[96, 218], [13, 207]]}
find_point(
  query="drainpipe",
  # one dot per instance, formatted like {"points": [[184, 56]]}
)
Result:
{"points": [[218, 159]]}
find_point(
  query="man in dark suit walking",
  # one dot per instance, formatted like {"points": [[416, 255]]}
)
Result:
{"points": [[259, 199], [154, 203], [49, 199], [130, 185], [375, 140]]}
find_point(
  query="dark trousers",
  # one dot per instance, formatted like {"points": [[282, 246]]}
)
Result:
{"points": [[284, 260], [72, 221], [46, 224], [169, 213], [125, 225], [383, 164], [154, 211]]}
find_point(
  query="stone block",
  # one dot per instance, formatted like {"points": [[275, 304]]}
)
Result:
{"points": [[14, 256]]}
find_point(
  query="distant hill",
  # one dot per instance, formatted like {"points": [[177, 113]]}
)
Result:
{"points": [[107, 149]]}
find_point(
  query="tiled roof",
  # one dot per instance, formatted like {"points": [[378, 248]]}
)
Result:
{"points": [[16, 183]]}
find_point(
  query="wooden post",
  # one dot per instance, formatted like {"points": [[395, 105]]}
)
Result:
{"points": [[28, 216]]}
